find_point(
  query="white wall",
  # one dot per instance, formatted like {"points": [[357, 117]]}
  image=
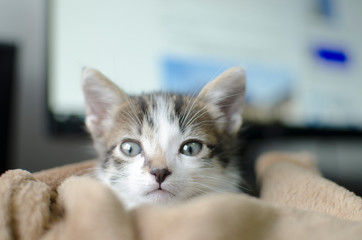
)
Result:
{"points": [[23, 22]]}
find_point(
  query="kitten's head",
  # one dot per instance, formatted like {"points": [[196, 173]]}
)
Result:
{"points": [[165, 147]]}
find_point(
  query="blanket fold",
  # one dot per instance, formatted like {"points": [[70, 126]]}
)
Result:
{"points": [[294, 180], [296, 202], [25, 206]]}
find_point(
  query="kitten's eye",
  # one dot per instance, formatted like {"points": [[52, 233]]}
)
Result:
{"points": [[191, 148], [131, 149]]}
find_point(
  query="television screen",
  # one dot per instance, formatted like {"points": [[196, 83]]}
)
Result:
{"points": [[303, 58]]}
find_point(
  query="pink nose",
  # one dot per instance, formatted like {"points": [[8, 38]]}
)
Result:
{"points": [[160, 174]]}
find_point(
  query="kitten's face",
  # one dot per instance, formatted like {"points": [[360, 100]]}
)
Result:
{"points": [[165, 148]]}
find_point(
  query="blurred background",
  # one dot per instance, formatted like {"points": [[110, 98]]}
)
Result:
{"points": [[303, 62]]}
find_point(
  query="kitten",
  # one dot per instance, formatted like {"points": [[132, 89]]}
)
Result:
{"points": [[165, 147]]}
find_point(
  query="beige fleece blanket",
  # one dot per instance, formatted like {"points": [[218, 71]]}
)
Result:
{"points": [[296, 202]]}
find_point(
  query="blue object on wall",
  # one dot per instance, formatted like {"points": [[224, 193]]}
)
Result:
{"points": [[332, 55]]}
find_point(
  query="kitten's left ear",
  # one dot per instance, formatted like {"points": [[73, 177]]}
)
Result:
{"points": [[227, 92], [101, 96]]}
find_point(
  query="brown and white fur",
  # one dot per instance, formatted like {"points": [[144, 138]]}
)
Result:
{"points": [[165, 147]]}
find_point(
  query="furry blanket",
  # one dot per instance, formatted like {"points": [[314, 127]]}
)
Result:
{"points": [[296, 202]]}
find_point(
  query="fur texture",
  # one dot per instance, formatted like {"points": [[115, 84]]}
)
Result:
{"points": [[166, 147]]}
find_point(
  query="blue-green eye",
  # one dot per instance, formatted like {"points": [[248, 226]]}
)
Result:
{"points": [[130, 148], [191, 148]]}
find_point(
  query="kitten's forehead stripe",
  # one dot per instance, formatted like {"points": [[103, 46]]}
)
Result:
{"points": [[143, 105], [150, 121], [145, 113], [179, 102]]}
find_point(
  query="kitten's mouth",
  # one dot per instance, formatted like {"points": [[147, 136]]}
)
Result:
{"points": [[160, 191]]}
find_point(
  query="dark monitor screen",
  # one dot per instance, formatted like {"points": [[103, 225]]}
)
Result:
{"points": [[7, 81]]}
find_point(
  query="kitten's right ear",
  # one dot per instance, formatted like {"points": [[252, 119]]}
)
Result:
{"points": [[227, 92], [101, 96]]}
